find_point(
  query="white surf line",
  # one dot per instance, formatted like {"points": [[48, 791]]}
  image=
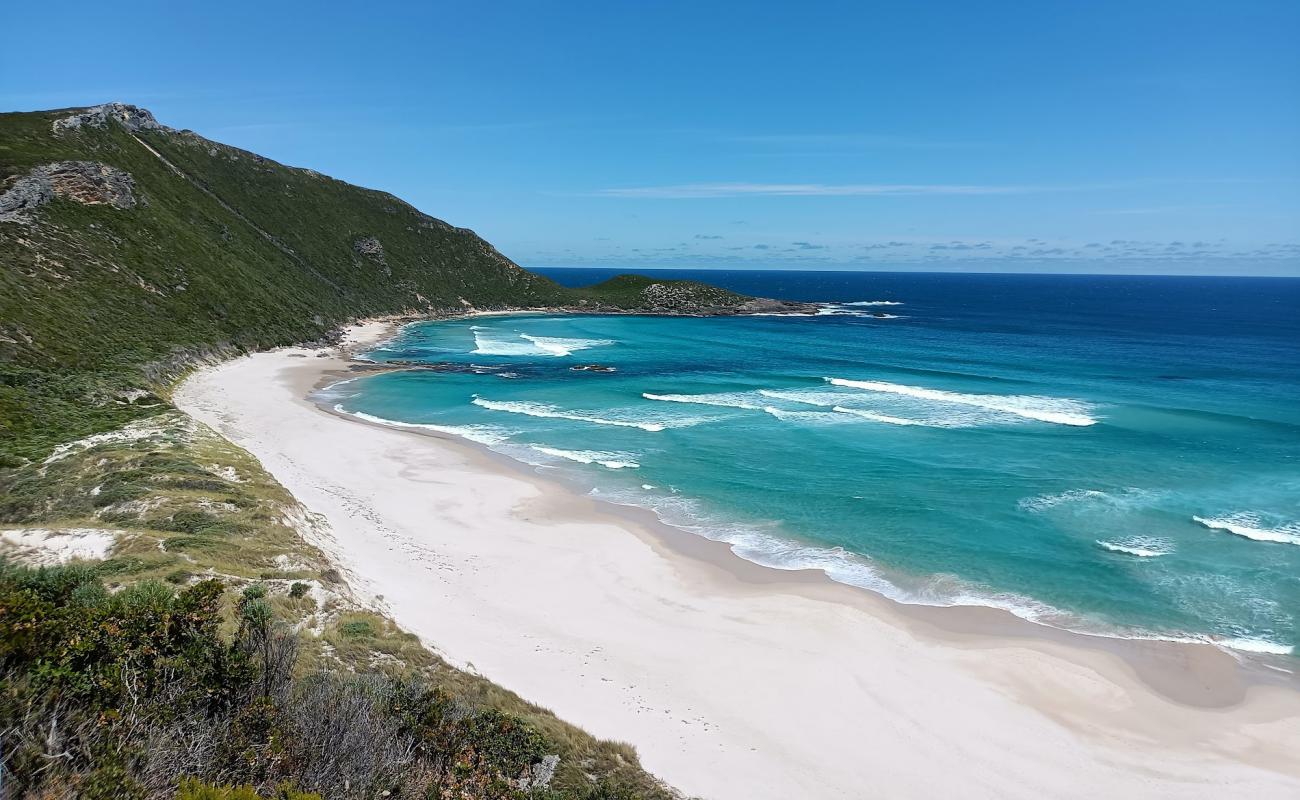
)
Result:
{"points": [[1065, 412]]}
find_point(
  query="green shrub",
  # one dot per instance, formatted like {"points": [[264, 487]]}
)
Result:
{"points": [[357, 629]]}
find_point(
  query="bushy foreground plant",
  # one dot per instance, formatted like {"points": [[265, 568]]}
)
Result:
{"points": [[139, 694]]}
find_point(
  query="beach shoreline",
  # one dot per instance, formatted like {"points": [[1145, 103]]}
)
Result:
{"points": [[731, 678]]}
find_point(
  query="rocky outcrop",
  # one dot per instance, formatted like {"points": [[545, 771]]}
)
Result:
{"points": [[24, 197], [86, 182], [133, 118], [763, 305], [371, 248]]}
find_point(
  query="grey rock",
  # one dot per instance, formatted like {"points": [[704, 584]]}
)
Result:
{"points": [[86, 182], [24, 197], [540, 774], [369, 246], [372, 248], [133, 118]]}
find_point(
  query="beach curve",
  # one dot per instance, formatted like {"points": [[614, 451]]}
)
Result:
{"points": [[731, 680]]}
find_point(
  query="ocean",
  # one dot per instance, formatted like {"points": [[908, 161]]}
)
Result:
{"points": [[1113, 455]]}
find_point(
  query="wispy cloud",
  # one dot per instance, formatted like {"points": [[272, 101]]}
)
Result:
{"points": [[711, 190]]}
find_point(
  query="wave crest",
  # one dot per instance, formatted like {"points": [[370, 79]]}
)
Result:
{"points": [[607, 460], [490, 343], [483, 434], [534, 409], [1250, 526], [1043, 409], [721, 399], [1139, 546]]}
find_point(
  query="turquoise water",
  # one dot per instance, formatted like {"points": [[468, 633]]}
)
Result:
{"points": [[1115, 455]]}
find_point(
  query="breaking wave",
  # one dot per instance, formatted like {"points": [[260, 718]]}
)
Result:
{"points": [[534, 409], [483, 434], [874, 303], [492, 343], [1250, 526], [722, 399], [608, 460], [1255, 646], [1140, 546], [1043, 409], [559, 346], [875, 417]]}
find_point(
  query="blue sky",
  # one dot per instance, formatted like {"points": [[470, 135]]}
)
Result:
{"points": [[1140, 136]]}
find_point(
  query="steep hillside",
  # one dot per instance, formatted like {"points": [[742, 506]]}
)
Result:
{"points": [[129, 250], [207, 639]]}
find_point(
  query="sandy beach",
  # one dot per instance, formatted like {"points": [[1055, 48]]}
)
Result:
{"points": [[732, 680]]}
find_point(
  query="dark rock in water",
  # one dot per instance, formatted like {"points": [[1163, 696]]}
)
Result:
{"points": [[593, 368], [763, 305]]}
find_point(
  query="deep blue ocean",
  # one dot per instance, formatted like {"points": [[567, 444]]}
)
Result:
{"points": [[1116, 455]]}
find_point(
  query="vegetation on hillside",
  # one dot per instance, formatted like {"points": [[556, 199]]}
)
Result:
{"points": [[139, 693], [215, 644], [214, 653], [213, 251]]}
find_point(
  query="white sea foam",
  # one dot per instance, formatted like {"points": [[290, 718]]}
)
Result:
{"points": [[1140, 546], [872, 415], [483, 434], [840, 311], [533, 409], [1046, 501], [806, 417], [834, 401], [761, 544], [1251, 526], [559, 346], [1043, 409], [722, 399], [846, 310], [874, 303], [489, 342], [608, 460], [1255, 646]]}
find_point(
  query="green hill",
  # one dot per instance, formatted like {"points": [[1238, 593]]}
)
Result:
{"points": [[211, 643], [130, 250]]}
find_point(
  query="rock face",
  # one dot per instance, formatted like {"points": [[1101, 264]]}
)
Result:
{"points": [[133, 118], [763, 305], [86, 182], [372, 248], [369, 246]]}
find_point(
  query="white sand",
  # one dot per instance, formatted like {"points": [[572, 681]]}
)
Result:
{"points": [[729, 686], [46, 546]]}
